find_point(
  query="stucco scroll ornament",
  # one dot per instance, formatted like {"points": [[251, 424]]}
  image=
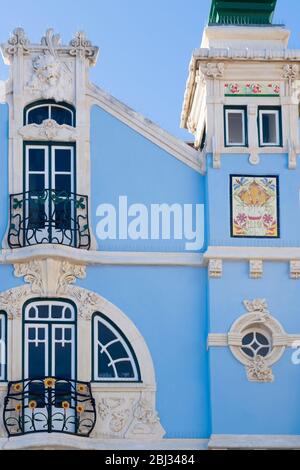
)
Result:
{"points": [[48, 130], [49, 277], [32, 274], [18, 42], [258, 371], [69, 273], [258, 307], [290, 73], [12, 301], [51, 78], [145, 420], [213, 70], [115, 414], [86, 302], [83, 48]]}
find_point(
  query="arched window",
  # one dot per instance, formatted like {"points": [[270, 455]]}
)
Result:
{"points": [[3, 347], [38, 112], [113, 357]]}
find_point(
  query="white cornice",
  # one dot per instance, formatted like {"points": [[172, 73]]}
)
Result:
{"points": [[147, 128], [245, 253], [100, 257], [226, 55]]}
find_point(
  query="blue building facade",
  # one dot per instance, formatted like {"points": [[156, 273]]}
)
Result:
{"points": [[148, 288]]}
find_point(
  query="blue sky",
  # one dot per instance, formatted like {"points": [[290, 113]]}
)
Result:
{"points": [[145, 45]]}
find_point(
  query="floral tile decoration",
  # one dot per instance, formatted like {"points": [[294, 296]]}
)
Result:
{"points": [[252, 89], [254, 206]]}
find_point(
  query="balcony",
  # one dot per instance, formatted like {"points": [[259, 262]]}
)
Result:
{"points": [[49, 216], [49, 405]]}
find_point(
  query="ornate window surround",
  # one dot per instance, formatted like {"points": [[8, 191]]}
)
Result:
{"points": [[257, 318], [48, 71], [125, 410]]}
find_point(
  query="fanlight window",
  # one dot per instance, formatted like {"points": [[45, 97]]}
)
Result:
{"points": [[114, 358], [3, 336], [61, 113]]}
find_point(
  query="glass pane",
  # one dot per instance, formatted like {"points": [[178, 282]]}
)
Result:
{"points": [[56, 311], [63, 160], [269, 128], [235, 128], [63, 360], [36, 182], [263, 352], [36, 216], [262, 339], [248, 351], [36, 160], [117, 351], [63, 183], [38, 115], [43, 311], [104, 370], [68, 313], [32, 313], [61, 115], [63, 219], [125, 370], [105, 335], [248, 339], [36, 360]]}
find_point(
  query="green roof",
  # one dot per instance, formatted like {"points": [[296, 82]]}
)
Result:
{"points": [[239, 12]]}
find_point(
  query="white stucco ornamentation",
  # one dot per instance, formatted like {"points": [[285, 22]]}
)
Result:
{"points": [[128, 416], [49, 277], [256, 268], [11, 301], [295, 269], [258, 322], [17, 43], [213, 69], [49, 130], [83, 48], [50, 77], [215, 268], [258, 371]]}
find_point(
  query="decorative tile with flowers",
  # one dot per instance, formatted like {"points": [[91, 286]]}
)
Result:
{"points": [[252, 89], [254, 206]]}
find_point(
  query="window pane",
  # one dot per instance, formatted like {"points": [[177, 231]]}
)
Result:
{"points": [[125, 370], [36, 160], [63, 183], [62, 160], [56, 311], [38, 115], [235, 128], [36, 182], [61, 115], [269, 128]]}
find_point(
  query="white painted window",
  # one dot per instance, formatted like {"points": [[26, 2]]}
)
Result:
{"points": [[235, 127], [269, 127], [36, 114], [113, 357]]}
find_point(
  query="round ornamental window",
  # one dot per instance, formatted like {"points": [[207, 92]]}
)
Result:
{"points": [[256, 343]]}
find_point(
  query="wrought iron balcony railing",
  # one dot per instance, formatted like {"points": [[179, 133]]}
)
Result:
{"points": [[49, 216], [49, 405]]}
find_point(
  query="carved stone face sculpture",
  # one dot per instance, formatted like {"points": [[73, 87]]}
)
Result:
{"points": [[47, 69]]}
